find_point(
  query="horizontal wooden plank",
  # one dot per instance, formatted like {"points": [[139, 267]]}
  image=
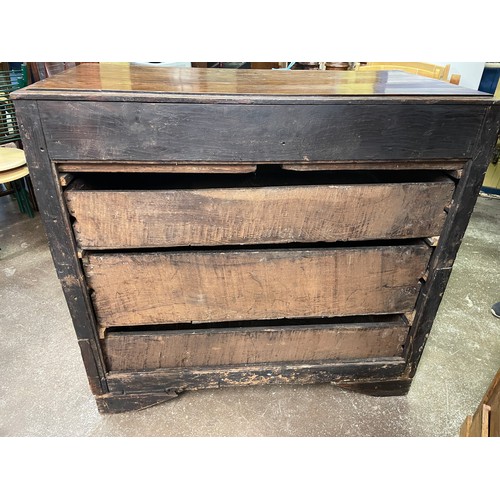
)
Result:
{"points": [[273, 132], [376, 165], [265, 215], [143, 167], [180, 379], [246, 167], [229, 346], [180, 287], [140, 77]]}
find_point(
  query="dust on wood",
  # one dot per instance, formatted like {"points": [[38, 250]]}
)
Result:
{"points": [[180, 287]]}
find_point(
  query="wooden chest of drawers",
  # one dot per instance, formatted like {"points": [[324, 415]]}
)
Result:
{"points": [[234, 227]]}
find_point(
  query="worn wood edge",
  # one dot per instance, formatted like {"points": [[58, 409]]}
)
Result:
{"points": [[358, 322], [247, 375], [382, 165], [120, 403], [443, 257], [491, 400], [479, 426], [235, 346], [465, 428], [153, 97], [416, 253], [63, 246], [197, 131], [484, 411], [180, 168], [410, 317], [249, 167], [96, 381], [432, 241], [492, 389], [380, 388], [235, 206], [125, 402], [485, 421], [65, 179], [455, 174]]}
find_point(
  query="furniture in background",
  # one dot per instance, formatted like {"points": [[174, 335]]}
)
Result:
{"points": [[239, 65], [267, 227], [485, 422], [9, 81], [221, 65], [416, 68], [14, 175], [265, 65], [43, 70], [13, 171], [491, 184]]}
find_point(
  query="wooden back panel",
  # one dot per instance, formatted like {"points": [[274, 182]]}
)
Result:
{"points": [[208, 286]]}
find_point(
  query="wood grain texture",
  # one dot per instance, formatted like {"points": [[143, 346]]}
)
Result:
{"points": [[198, 168], [465, 427], [265, 215], [129, 77], [479, 426], [226, 346], [494, 424], [180, 287], [486, 419], [382, 165], [492, 399], [246, 167], [459, 214], [234, 118], [258, 133], [213, 377], [62, 244]]}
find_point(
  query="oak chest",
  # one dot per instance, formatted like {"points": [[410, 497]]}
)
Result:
{"points": [[235, 227]]}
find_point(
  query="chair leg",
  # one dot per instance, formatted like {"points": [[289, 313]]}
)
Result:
{"points": [[31, 192], [22, 198], [27, 201], [15, 187]]}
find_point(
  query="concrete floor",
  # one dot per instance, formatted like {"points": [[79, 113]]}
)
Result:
{"points": [[44, 391]]}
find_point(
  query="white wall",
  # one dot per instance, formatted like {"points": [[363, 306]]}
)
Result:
{"points": [[470, 72]]}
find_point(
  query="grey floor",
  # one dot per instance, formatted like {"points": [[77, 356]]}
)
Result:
{"points": [[44, 392]]}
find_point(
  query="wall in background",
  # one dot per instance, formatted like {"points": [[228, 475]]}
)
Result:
{"points": [[470, 72]]}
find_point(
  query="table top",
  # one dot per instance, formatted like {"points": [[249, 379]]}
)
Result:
{"points": [[136, 78]]}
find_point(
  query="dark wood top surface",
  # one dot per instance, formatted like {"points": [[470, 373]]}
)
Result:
{"points": [[130, 77]]}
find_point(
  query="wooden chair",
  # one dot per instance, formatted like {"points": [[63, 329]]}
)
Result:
{"points": [[416, 68], [13, 170]]}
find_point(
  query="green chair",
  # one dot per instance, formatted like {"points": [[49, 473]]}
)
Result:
{"points": [[14, 175]]}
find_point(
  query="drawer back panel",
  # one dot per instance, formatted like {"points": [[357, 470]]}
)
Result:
{"points": [[205, 286], [247, 209], [271, 132], [358, 338]]}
